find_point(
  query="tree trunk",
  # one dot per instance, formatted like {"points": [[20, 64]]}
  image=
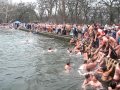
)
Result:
{"points": [[76, 11], [63, 11]]}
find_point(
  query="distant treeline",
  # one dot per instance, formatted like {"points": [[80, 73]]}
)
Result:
{"points": [[62, 11]]}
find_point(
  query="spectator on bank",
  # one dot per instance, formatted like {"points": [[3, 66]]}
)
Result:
{"points": [[64, 31], [75, 31]]}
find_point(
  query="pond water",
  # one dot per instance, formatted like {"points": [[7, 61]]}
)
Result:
{"points": [[25, 63]]}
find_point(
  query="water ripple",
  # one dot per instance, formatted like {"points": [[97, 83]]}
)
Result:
{"points": [[25, 63]]}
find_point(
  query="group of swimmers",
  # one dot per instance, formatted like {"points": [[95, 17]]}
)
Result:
{"points": [[100, 48]]}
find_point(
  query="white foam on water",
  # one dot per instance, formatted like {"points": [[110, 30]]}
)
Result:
{"points": [[55, 50], [27, 41], [79, 53], [82, 71]]}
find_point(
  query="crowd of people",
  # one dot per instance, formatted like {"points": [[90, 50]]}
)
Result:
{"points": [[5, 25], [100, 47]]}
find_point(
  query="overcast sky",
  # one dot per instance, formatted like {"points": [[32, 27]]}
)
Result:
{"points": [[18, 1]]}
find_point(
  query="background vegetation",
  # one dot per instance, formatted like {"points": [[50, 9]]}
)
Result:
{"points": [[62, 11]]}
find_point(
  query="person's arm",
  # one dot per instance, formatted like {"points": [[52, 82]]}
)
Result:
{"points": [[98, 71], [117, 35], [111, 69], [108, 63], [117, 47], [109, 88], [107, 45], [90, 45], [95, 36], [84, 84], [100, 86], [118, 86], [98, 49], [101, 63], [95, 57]]}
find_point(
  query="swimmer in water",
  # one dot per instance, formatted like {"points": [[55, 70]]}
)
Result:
{"points": [[28, 41], [69, 50], [67, 67], [51, 50]]}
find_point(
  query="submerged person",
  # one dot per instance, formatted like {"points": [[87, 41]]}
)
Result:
{"points": [[27, 41], [51, 50]]}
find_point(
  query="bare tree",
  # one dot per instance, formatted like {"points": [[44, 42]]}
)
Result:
{"points": [[110, 4], [62, 11], [5, 9]]}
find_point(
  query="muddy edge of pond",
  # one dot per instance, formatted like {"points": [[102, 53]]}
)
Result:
{"points": [[65, 38]]}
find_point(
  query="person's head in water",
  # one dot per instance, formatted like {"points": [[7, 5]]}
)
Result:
{"points": [[67, 66], [70, 51], [49, 48], [68, 63]]}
